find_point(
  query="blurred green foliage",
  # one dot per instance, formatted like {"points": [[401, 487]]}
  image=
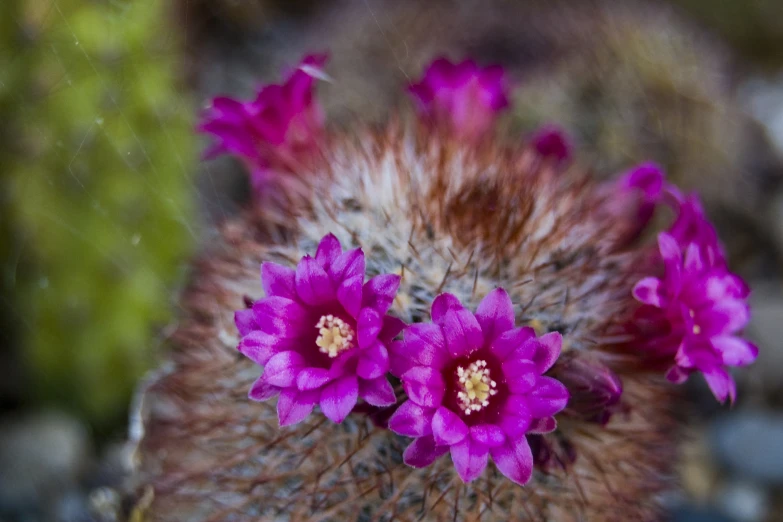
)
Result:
{"points": [[96, 178]]}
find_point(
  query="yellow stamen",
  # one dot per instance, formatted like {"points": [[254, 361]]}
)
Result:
{"points": [[334, 335], [477, 387]]}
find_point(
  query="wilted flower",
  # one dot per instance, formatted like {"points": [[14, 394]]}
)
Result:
{"points": [[462, 98], [321, 334], [475, 387]]}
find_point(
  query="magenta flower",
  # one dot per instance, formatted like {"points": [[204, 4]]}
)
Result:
{"points": [[692, 225], [462, 98], [552, 142], [475, 388], [321, 334], [277, 130], [699, 307]]}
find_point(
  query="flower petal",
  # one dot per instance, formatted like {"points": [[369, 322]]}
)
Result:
{"points": [[694, 264], [516, 419], [391, 328], [672, 258], [313, 285], [726, 317], [379, 292], [373, 361], [424, 386], [649, 291], [677, 375], [488, 435], [495, 314], [547, 398], [470, 458], [447, 427], [278, 280], [245, 321], [294, 406], [542, 351], [378, 392], [312, 378], [259, 347], [509, 341], [721, 384], [412, 420], [328, 250], [281, 317], [349, 294], [262, 390], [422, 452], [282, 368], [520, 375], [423, 344], [442, 304], [339, 398], [347, 265], [462, 333], [369, 325], [514, 460], [735, 351]]}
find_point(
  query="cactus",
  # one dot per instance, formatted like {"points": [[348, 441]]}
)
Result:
{"points": [[100, 196], [458, 213]]}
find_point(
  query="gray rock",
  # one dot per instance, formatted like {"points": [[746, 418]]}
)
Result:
{"points": [[42, 455], [744, 501], [750, 444]]}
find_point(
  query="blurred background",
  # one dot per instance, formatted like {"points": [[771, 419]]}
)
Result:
{"points": [[103, 198]]}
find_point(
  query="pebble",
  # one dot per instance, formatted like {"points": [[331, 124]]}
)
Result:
{"points": [[42, 456], [750, 444]]}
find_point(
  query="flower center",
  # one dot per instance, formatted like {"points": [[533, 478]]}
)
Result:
{"points": [[476, 387], [334, 335], [696, 327]]}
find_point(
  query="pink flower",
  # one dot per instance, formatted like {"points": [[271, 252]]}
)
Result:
{"points": [[552, 142], [475, 388], [693, 313], [321, 334], [692, 225], [462, 99], [277, 130]]}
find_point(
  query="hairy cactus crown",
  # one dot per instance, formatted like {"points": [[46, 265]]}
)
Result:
{"points": [[497, 305]]}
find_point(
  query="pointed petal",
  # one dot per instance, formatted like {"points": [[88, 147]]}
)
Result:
{"points": [[462, 333], [312, 378], [721, 384], [339, 398], [677, 375], [423, 344], [424, 386], [278, 280], [281, 317], [349, 294], [521, 375], [542, 351], [672, 258], [735, 351], [294, 406], [547, 398], [282, 368], [373, 361], [442, 304], [379, 292], [447, 427], [470, 458], [514, 460], [412, 420], [369, 326], [313, 286], [391, 328], [378, 392], [516, 419], [328, 250], [495, 314], [347, 265], [487, 435], [649, 291], [259, 347], [422, 452], [694, 264], [510, 341], [245, 321], [262, 390]]}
